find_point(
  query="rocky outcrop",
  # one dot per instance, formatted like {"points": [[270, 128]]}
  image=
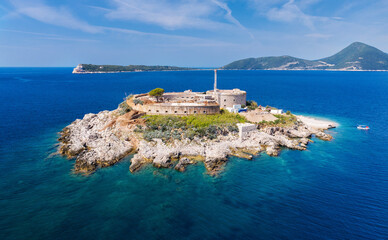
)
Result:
{"points": [[103, 139], [92, 143], [182, 163], [213, 153]]}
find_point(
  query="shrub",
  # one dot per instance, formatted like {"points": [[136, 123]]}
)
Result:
{"points": [[124, 108], [137, 101], [252, 105], [232, 128], [139, 128]]}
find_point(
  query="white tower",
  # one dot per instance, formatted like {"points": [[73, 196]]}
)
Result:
{"points": [[215, 80]]}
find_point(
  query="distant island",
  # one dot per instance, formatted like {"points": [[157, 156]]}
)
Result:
{"points": [[91, 68], [356, 57], [176, 129]]}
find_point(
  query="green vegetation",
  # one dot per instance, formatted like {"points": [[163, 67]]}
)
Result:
{"points": [[124, 108], [281, 121], [252, 105], [129, 68], [269, 63], [358, 55], [138, 101], [157, 92], [169, 127]]}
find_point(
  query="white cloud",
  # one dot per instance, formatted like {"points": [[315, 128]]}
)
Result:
{"points": [[48, 36], [264, 5], [201, 14], [319, 35], [170, 15], [62, 17], [164, 13], [54, 16], [178, 39], [229, 15], [70, 39], [288, 11], [27, 32]]}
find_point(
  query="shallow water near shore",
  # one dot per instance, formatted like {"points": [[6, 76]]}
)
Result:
{"points": [[334, 190]]}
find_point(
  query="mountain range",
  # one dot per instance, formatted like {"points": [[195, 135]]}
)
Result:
{"points": [[357, 56]]}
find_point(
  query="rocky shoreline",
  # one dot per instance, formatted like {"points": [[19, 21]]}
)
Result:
{"points": [[103, 139]]}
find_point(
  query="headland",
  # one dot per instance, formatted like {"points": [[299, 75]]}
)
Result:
{"points": [[92, 68]]}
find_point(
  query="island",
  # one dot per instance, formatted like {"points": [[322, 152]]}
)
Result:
{"points": [[176, 129], [356, 57], [92, 68]]}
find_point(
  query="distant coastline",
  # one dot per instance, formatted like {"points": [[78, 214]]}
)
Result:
{"points": [[331, 70], [92, 68], [205, 69], [357, 57]]}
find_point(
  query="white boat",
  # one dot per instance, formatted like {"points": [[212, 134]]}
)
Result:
{"points": [[363, 127]]}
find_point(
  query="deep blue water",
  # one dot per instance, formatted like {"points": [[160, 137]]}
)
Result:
{"points": [[334, 190]]}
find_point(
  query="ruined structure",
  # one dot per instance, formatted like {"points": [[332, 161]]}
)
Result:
{"points": [[188, 102]]}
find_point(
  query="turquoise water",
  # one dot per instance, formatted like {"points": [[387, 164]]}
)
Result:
{"points": [[334, 190]]}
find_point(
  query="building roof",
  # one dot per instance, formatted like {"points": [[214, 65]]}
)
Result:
{"points": [[228, 91]]}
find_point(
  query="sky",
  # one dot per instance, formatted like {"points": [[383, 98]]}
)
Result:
{"points": [[192, 33]]}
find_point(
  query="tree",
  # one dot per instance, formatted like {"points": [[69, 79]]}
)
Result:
{"points": [[252, 105], [157, 92]]}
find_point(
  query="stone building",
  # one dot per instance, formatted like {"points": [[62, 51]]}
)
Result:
{"points": [[244, 129], [188, 102], [227, 98]]}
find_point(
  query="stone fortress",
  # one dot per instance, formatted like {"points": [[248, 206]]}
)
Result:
{"points": [[188, 102]]}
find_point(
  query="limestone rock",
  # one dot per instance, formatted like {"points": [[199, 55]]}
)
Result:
{"points": [[92, 144], [101, 140], [182, 163], [162, 161], [324, 136]]}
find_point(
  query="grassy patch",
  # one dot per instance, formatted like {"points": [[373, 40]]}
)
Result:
{"points": [[195, 121], [168, 127], [281, 121]]}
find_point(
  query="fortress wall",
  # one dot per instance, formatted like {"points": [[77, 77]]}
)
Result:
{"points": [[160, 109], [228, 100], [182, 110], [225, 99], [179, 96], [186, 96]]}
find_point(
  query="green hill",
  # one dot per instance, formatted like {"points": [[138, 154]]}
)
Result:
{"points": [[129, 68], [357, 56], [268, 63]]}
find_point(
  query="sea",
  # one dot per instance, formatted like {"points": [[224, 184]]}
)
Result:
{"points": [[334, 190]]}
